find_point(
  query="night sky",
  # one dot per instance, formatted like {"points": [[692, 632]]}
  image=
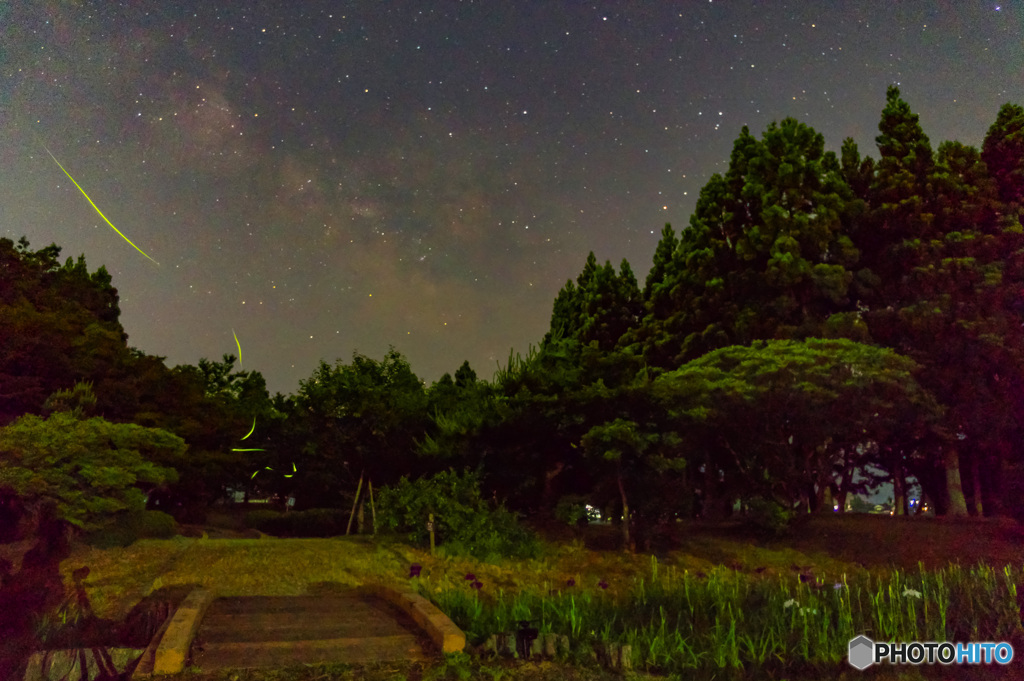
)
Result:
{"points": [[324, 177]]}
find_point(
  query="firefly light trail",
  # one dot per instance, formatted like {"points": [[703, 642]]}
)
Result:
{"points": [[97, 209], [239, 353], [268, 468], [251, 430]]}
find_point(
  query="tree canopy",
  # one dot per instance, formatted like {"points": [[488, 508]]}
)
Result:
{"points": [[766, 254], [85, 470], [821, 312]]}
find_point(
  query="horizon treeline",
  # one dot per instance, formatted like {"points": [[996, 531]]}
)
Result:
{"points": [[820, 315]]}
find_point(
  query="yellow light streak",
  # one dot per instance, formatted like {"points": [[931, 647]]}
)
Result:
{"points": [[97, 209]]}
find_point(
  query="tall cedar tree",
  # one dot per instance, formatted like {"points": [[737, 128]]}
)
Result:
{"points": [[1003, 153], [600, 307], [933, 288], [765, 255], [663, 255]]}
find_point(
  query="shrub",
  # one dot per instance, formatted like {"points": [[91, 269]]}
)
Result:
{"points": [[154, 525], [463, 521], [318, 522], [315, 522], [572, 510], [127, 528], [264, 520], [769, 516]]}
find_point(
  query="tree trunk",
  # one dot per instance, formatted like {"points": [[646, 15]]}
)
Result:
{"points": [[841, 497], [626, 545], [932, 481], [827, 504], [978, 509], [899, 487], [845, 484], [361, 516], [997, 484], [547, 498], [956, 504]]}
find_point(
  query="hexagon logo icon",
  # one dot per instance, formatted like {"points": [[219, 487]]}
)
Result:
{"points": [[862, 652]]}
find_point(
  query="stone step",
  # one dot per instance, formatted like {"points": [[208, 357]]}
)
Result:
{"points": [[220, 628], [281, 631], [351, 603], [362, 650]]}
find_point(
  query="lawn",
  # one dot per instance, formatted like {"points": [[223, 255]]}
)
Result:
{"points": [[865, 550]]}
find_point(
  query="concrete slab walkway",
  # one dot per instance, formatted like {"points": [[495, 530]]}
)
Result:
{"points": [[277, 631]]}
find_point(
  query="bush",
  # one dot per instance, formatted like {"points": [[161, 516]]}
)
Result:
{"points": [[318, 522], [264, 520], [155, 525], [463, 521], [572, 510], [127, 528], [769, 516], [315, 522]]}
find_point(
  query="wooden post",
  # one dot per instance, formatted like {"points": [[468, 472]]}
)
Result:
{"points": [[355, 501], [373, 511], [430, 529]]}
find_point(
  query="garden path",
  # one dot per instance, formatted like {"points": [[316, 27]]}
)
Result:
{"points": [[281, 631]]}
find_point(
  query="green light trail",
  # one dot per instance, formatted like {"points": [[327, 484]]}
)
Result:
{"points": [[97, 209]]}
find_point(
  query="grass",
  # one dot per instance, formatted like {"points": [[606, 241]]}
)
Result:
{"points": [[713, 598], [454, 668], [475, 669], [680, 623]]}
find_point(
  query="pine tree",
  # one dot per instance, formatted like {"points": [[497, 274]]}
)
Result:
{"points": [[600, 308], [765, 255], [565, 313], [662, 261], [465, 377], [935, 289], [900, 196], [1003, 153]]}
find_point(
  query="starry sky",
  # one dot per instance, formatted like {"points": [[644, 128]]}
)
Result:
{"points": [[327, 177]]}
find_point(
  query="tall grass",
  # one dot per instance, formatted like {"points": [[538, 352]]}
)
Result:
{"points": [[727, 620]]}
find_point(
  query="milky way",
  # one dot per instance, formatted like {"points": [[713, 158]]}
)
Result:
{"points": [[330, 177]]}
